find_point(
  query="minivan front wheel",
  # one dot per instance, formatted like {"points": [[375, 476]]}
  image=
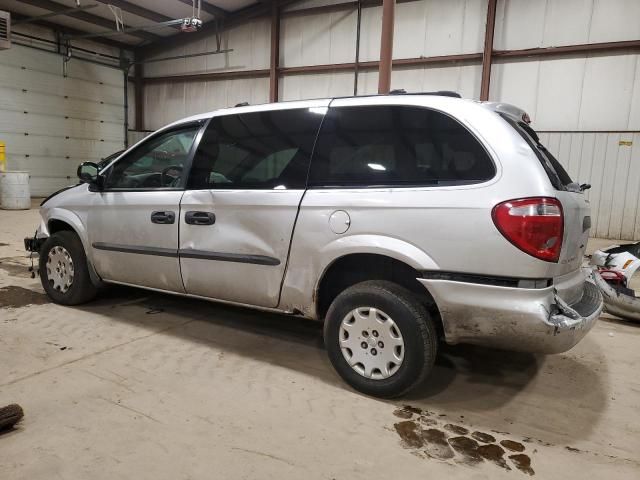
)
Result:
{"points": [[380, 338], [64, 271]]}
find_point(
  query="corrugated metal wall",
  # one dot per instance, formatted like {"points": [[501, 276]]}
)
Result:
{"points": [[568, 96], [50, 123], [250, 42], [612, 166]]}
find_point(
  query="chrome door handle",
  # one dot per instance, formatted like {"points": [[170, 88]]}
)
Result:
{"points": [[199, 218], [163, 218]]}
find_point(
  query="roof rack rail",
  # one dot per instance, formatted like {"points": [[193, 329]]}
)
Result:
{"points": [[445, 93], [242, 104], [441, 93]]}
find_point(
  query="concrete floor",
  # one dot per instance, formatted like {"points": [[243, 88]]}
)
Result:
{"points": [[145, 386]]}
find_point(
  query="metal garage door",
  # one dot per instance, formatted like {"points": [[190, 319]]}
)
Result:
{"points": [[51, 123]]}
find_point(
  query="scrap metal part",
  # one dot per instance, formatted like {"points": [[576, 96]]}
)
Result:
{"points": [[616, 302], [10, 415], [619, 299]]}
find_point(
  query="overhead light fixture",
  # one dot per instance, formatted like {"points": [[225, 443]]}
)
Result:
{"points": [[190, 25]]}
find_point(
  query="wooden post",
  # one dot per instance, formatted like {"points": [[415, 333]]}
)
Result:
{"points": [[275, 53], [488, 50], [386, 46]]}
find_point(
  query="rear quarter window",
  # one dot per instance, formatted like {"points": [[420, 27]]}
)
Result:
{"points": [[396, 146], [558, 176]]}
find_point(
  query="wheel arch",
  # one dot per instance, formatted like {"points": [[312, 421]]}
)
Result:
{"points": [[59, 219], [63, 220], [352, 268]]}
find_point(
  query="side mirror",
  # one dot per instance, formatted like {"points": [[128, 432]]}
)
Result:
{"points": [[88, 173]]}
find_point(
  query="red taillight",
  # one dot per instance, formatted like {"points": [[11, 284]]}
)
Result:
{"points": [[534, 225]]}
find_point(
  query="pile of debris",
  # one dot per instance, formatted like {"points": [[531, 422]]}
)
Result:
{"points": [[10, 415], [615, 266]]}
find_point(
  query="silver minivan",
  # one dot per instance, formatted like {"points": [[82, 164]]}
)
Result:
{"points": [[399, 220]]}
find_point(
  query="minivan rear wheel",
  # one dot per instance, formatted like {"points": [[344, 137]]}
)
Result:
{"points": [[64, 271], [380, 339]]}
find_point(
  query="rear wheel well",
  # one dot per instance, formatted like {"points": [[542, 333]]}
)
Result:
{"points": [[359, 267]]}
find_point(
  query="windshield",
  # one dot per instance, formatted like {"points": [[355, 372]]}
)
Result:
{"points": [[555, 171]]}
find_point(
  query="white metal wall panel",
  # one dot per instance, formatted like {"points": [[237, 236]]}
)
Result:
{"points": [[599, 92], [370, 30], [320, 85], [546, 23], [559, 87], [427, 28], [631, 210], [318, 39], [166, 103], [519, 24], [634, 104], [612, 169], [567, 22], [464, 79], [50, 123], [250, 43], [614, 20], [607, 92], [516, 83]]}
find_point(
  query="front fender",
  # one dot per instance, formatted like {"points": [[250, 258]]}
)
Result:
{"points": [[73, 220], [78, 225]]}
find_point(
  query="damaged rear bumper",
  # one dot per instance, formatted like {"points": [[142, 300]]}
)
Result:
{"points": [[525, 319]]}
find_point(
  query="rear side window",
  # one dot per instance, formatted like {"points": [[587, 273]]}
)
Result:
{"points": [[396, 146], [260, 150], [558, 176]]}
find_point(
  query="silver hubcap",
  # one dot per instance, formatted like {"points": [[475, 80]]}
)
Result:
{"points": [[60, 269], [371, 343]]}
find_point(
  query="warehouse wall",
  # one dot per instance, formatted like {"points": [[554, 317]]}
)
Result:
{"points": [[587, 104], [610, 162], [574, 92], [51, 123], [594, 92], [167, 102]]}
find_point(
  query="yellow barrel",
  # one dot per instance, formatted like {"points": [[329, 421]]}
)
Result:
{"points": [[3, 157]]}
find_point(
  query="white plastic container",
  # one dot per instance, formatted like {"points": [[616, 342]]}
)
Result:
{"points": [[14, 191]]}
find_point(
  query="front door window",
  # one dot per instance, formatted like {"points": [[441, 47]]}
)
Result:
{"points": [[157, 163]]}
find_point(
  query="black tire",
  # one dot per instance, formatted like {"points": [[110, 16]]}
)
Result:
{"points": [[10, 415], [82, 288], [410, 316]]}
